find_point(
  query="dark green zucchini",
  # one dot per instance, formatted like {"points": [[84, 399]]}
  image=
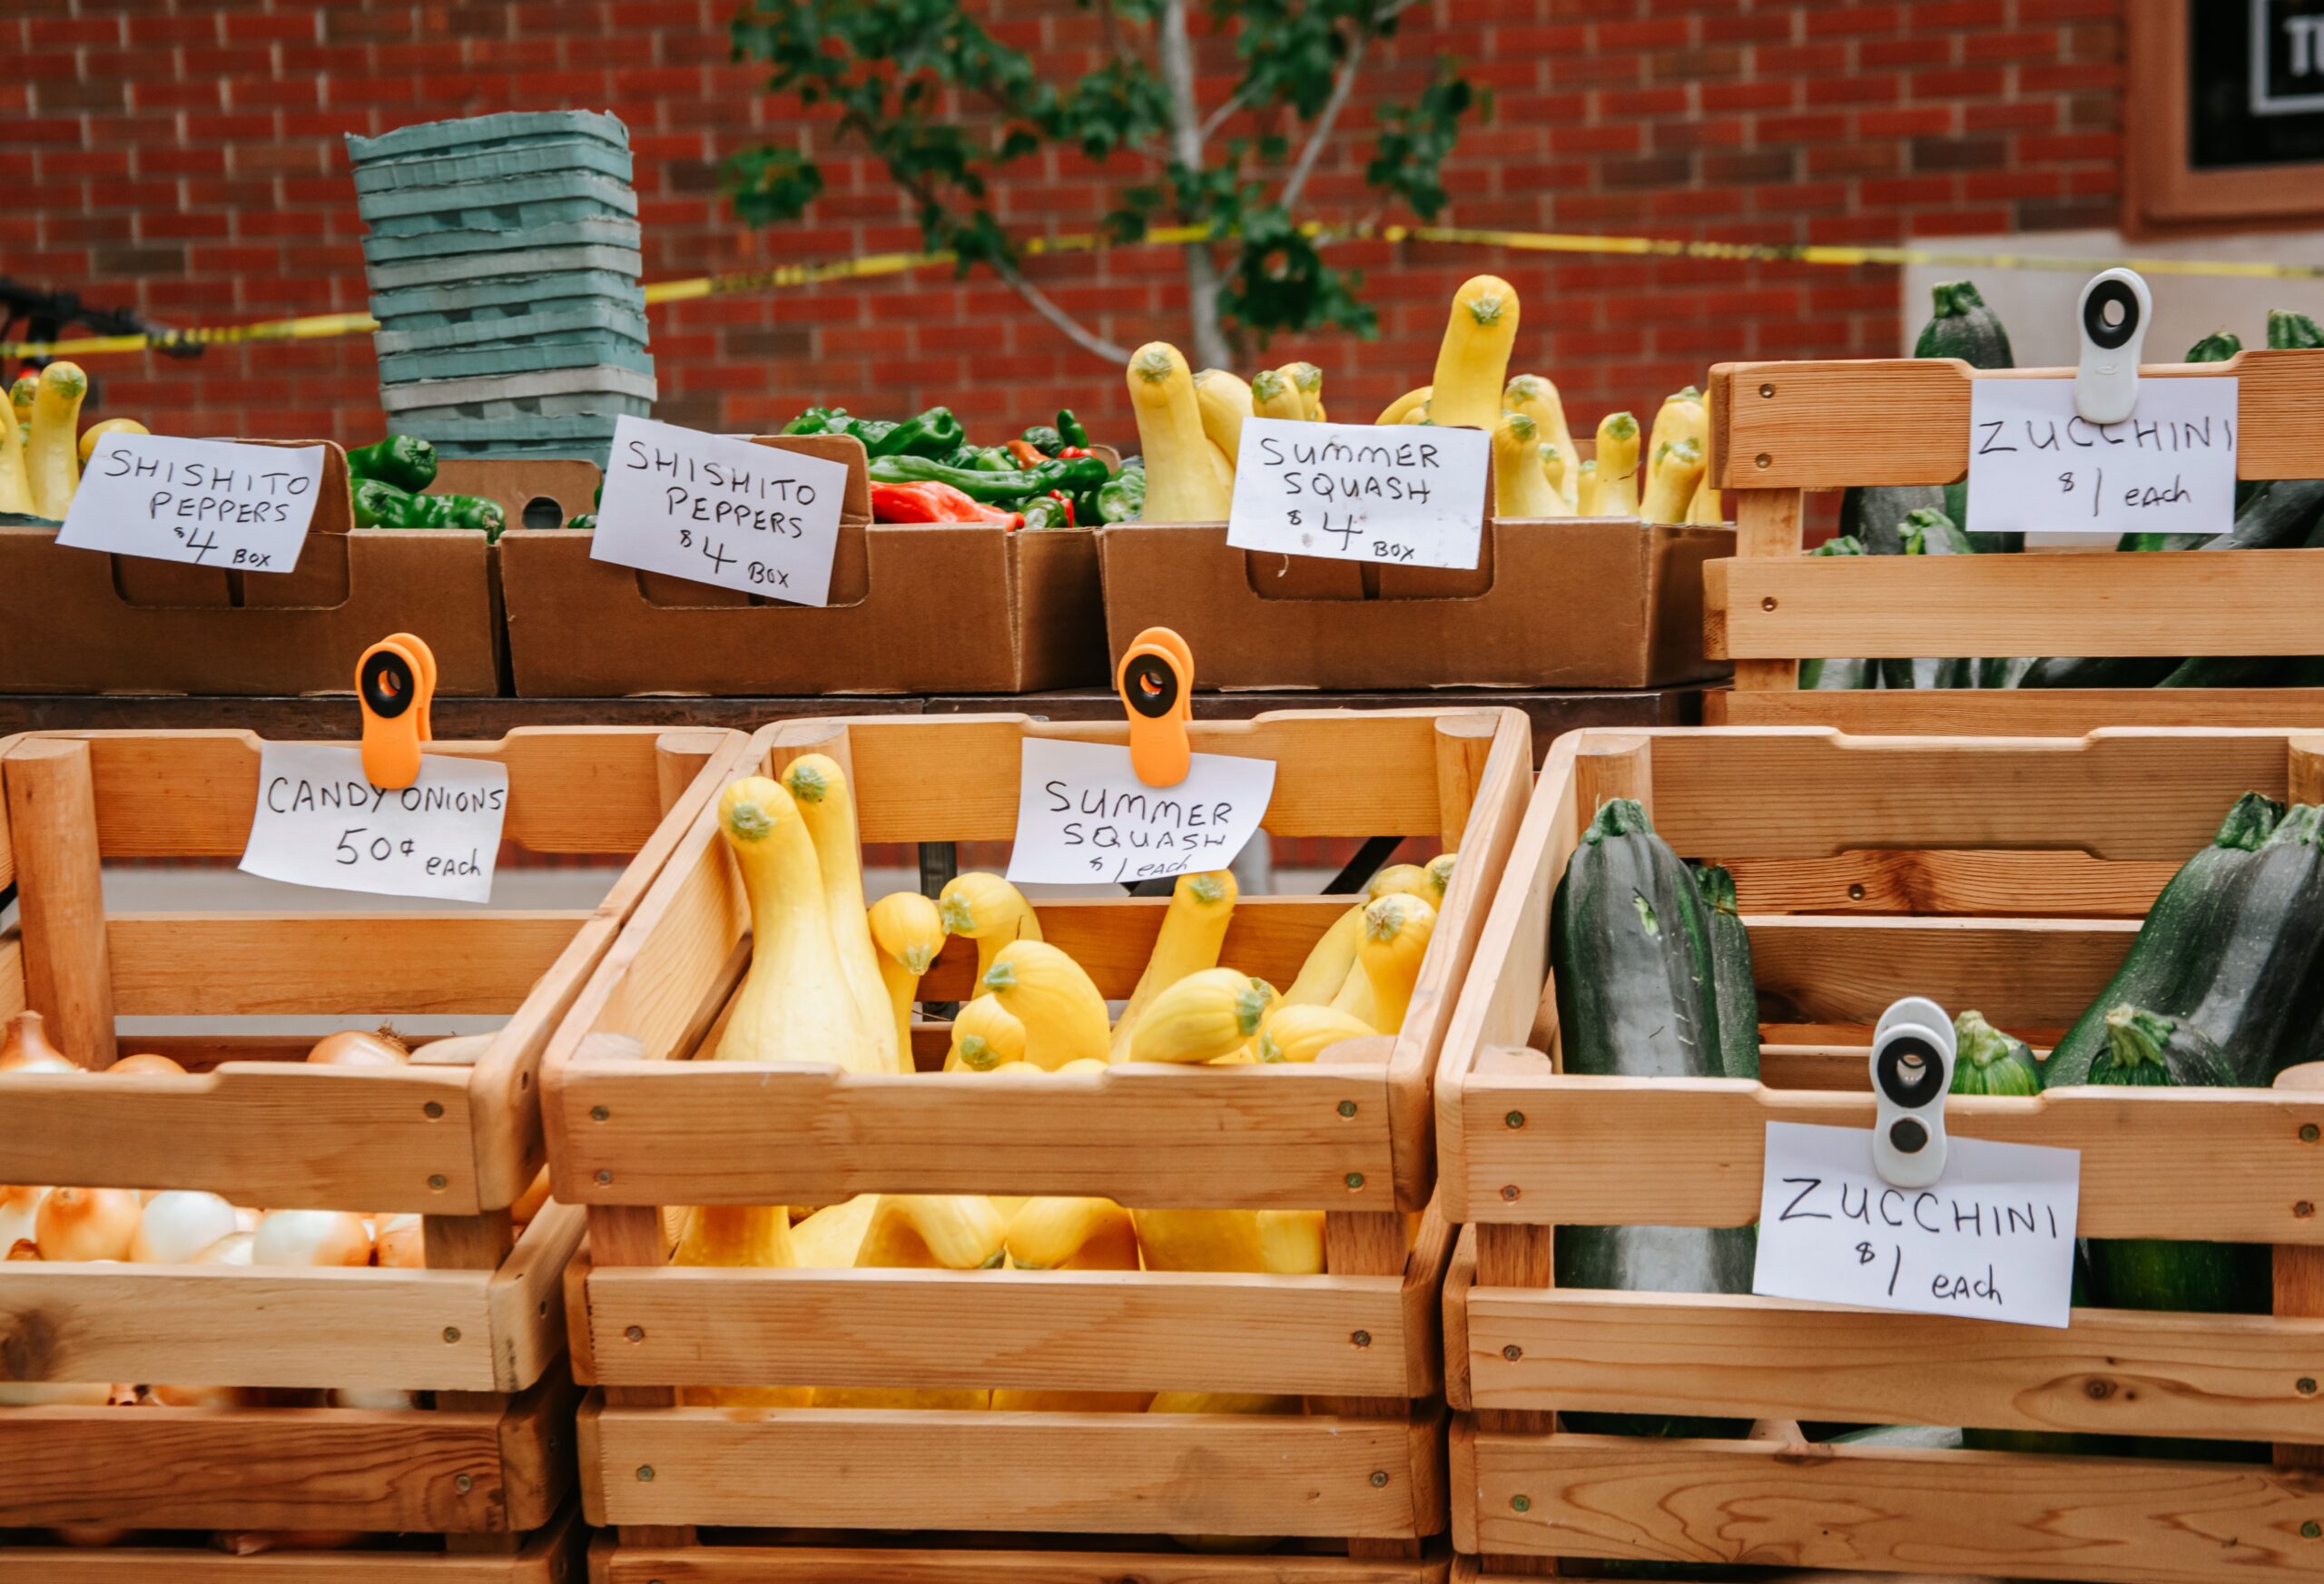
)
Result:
{"points": [[1989, 1062], [1928, 531], [2007, 672], [2263, 529], [1732, 980], [1963, 327], [2291, 331], [2174, 945], [2216, 347], [1875, 514], [1831, 676], [2053, 1442], [1631, 944], [2228, 671], [2100, 671], [2258, 1003]]}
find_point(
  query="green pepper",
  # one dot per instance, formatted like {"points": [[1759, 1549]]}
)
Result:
{"points": [[471, 511], [872, 431], [1002, 489], [1122, 497], [1071, 428], [817, 420], [992, 459], [962, 457], [587, 522], [380, 505], [1048, 441], [406, 461], [934, 433], [1046, 511]]}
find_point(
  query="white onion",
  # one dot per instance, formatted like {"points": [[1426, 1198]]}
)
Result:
{"points": [[353, 1047], [18, 1206], [401, 1243], [233, 1249], [311, 1237], [27, 1049], [87, 1223], [374, 1397], [202, 1396], [179, 1224]]}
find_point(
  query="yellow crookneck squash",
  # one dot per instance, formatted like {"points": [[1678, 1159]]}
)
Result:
{"points": [[1397, 931], [1183, 484], [924, 1232], [1305, 1033], [1071, 1235], [1047, 991], [990, 912], [795, 1005], [1194, 927], [1472, 361], [1204, 1017], [739, 1236], [985, 1037], [1329, 962], [827, 803], [908, 932]]}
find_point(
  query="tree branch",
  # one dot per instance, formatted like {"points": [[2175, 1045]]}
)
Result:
{"points": [[1176, 53], [1045, 306], [1342, 86], [1219, 117]]}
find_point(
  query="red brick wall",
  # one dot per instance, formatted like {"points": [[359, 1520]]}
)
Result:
{"points": [[184, 157]]}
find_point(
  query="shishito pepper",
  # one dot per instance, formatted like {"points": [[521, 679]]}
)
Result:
{"points": [[380, 505], [1053, 510], [406, 461], [1001, 490], [818, 420], [1122, 497], [934, 433], [1069, 429], [1040, 438]]}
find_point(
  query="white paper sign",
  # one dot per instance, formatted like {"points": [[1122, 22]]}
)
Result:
{"points": [[2037, 466], [719, 511], [1083, 815], [1408, 495], [319, 822], [1994, 1240], [213, 503]]}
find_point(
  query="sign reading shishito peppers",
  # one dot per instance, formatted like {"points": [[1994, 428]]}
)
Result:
{"points": [[720, 511]]}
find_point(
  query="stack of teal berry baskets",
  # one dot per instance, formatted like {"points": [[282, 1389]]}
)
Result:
{"points": [[503, 262]]}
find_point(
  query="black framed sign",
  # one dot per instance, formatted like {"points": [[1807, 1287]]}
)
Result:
{"points": [[2225, 111]]}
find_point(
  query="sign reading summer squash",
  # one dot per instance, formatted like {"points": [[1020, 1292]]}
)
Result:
{"points": [[211, 503], [1083, 816], [725, 512], [1405, 495]]}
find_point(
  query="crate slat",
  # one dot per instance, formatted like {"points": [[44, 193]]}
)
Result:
{"points": [[2134, 1520], [2041, 711], [1037, 1329], [1080, 1473], [727, 1564], [554, 1556], [2221, 1377], [1869, 883], [2021, 973]]}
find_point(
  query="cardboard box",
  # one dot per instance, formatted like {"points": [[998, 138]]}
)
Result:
{"points": [[83, 622], [533, 492], [959, 607], [1600, 602]]}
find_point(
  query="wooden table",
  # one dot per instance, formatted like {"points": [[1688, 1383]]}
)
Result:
{"points": [[330, 716]]}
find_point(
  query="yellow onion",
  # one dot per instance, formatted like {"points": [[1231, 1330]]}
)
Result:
{"points": [[24, 1248], [179, 1224], [87, 1223], [528, 1205], [254, 1542], [26, 1047], [201, 1396], [146, 1061], [401, 1245], [18, 1205], [372, 1397], [88, 1536], [311, 1237], [354, 1047]]}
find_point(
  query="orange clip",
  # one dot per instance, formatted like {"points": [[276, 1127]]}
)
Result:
{"points": [[1156, 684], [394, 682]]}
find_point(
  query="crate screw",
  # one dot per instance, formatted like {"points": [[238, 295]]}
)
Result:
{"points": [[1348, 1107], [2305, 1385], [599, 1113], [1520, 1503], [1766, 390], [1764, 460], [2307, 1133], [1364, 1339], [605, 1176], [433, 1109], [2304, 1209], [1355, 1179], [1509, 1192], [451, 1333], [1514, 1119], [636, 1333], [1379, 1478], [1512, 1352], [438, 1181], [463, 1483], [1767, 604], [646, 1473], [2310, 1530], [1856, 892]]}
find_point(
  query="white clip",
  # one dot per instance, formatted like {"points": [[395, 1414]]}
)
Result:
{"points": [[2106, 386], [1913, 1051]]}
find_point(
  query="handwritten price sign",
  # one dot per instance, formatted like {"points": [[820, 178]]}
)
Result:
{"points": [[2037, 466], [1408, 495], [720, 511], [212, 503], [319, 822], [1083, 815]]}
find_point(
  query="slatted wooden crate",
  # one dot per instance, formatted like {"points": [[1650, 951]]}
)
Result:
{"points": [[1781, 429], [2003, 875], [487, 1466], [774, 1559], [630, 1137]]}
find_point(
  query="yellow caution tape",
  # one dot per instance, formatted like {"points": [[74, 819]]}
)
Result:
{"points": [[878, 264]]}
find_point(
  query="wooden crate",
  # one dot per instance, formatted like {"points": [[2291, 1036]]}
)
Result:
{"points": [[1001, 1559], [1781, 429], [2008, 877], [630, 1136], [482, 1328]]}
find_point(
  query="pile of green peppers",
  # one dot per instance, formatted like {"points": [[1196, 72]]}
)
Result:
{"points": [[1066, 487], [388, 478]]}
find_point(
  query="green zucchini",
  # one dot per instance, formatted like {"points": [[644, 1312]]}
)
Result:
{"points": [[1631, 944], [2174, 946], [2290, 331], [1963, 327], [2006, 672], [2227, 670], [2216, 347], [2270, 527], [1732, 981], [1990, 1062], [1928, 531], [2053, 1442], [1832, 675], [1875, 514], [2259, 1002]]}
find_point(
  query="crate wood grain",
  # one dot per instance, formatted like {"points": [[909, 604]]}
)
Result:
{"points": [[1783, 428], [556, 1555], [612, 1563], [1799, 815], [639, 1138]]}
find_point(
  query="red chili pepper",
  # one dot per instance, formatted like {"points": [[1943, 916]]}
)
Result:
{"points": [[932, 502], [1025, 453], [1066, 501], [1075, 451]]}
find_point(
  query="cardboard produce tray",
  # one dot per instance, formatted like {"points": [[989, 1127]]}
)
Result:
{"points": [[636, 1134], [1782, 429], [488, 1461], [1868, 870], [85, 620], [1589, 603], [916, 608]]}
